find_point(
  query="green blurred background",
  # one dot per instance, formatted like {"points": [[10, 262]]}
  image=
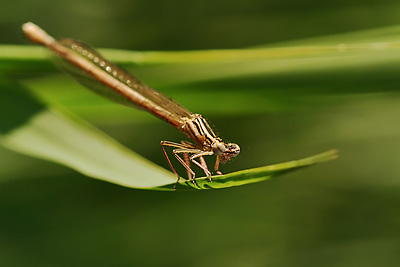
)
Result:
{"points": [[342, 213]]}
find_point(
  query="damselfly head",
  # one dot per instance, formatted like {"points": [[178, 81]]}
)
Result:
{"points": [[231, 151]]}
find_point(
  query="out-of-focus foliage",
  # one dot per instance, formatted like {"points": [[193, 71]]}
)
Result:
{"points": [[344, 213]]}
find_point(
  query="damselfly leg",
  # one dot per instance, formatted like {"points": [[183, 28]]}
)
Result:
{"points": [[187, 148]]}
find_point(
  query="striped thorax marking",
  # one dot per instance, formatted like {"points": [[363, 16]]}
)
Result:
{"points": [[198, 130]]}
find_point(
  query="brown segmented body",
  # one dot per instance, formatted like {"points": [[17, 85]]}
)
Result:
{"points": [[107, 79]]}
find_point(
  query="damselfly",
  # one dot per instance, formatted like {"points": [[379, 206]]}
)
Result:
{"points": [[105, 78]]}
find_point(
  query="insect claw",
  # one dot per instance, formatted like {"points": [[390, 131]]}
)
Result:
{"points": [[177, 181]]}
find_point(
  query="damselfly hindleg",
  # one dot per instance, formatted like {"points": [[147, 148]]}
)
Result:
{"points": [[186, 148]]}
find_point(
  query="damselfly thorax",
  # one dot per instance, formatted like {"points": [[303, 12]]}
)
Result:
{"points": [[206, 144], [89, 68]]}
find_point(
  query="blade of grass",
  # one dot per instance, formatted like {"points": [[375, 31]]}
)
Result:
{"points": [[358, 48], [56, 136], [254, 175], [63, 138]]}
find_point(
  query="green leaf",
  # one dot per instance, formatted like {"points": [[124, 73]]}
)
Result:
{"points": [[57, 136], [349, 50], [61, 137], [254, 175], [274, 74]]}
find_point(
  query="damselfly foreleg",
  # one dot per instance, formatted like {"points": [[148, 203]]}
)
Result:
{"points": [[216, 166]]}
